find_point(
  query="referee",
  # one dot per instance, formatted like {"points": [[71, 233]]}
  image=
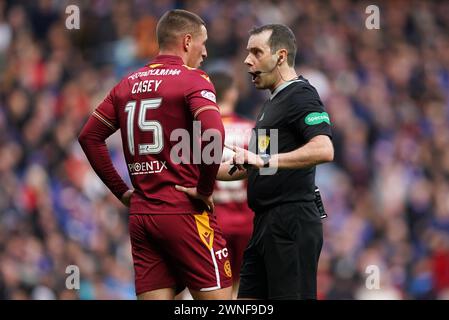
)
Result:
{"points": [[281, 259]]}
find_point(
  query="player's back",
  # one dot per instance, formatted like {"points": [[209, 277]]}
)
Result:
{"points": [[150, 104]]}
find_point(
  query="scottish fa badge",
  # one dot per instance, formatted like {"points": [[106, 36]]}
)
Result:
{"points": [[263, 143]]}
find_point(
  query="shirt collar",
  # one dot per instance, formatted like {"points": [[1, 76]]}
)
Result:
{"points": [[285, 85], [169, 59]]}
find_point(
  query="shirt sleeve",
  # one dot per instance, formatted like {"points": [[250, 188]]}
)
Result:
{"points": [[208, 172], [100, 125], [105, 112], [200, 95], [307, 114]]}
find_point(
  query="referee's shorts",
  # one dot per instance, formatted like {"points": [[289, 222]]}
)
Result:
{"points": [[281, 259]]}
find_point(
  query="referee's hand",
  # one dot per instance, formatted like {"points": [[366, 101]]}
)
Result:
{"points": [[192, 192], [245, 157]]}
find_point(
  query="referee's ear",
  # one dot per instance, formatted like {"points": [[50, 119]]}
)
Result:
{"points": [[282, 56]]}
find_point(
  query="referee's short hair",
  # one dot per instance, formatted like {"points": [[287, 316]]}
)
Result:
{"points": [[174, 23], [281, 37]]}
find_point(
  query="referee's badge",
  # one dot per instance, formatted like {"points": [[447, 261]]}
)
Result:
{"points": [[263, 143]]}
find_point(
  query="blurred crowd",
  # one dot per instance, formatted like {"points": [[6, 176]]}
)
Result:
{"points": [[386, 90]]}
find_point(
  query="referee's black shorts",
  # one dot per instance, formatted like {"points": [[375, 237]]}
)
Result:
{"points": [[281, 259]]}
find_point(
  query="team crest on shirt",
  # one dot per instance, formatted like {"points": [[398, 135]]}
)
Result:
{"points": [[227, 268], [209, 95], [263, 143]]}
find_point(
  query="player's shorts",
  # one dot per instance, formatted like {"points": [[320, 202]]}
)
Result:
{"points": [[281, 259], [178, 250], [236, 244], [237, 228]]}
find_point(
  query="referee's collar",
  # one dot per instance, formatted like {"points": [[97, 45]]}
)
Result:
{"points": [[285, 85]]}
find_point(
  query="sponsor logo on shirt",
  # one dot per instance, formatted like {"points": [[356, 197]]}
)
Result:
{"points": [[315, 118], [155, 72], [150, 167], [209, 95]]}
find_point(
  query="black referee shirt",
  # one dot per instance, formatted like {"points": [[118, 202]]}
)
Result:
{"points": [[295, 114]]}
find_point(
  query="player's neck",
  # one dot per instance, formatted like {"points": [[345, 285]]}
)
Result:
{"points": [[174, 52]]}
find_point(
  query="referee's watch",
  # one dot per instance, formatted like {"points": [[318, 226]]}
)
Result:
{"points": [[266, 160]]}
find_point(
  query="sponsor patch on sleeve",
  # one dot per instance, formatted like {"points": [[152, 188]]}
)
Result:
{"points": [[209, 95], [317, 118]]}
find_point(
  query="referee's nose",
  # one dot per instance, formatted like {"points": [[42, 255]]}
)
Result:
{"points": [[248, 61]]}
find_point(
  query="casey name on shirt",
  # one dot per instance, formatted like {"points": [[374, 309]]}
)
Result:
{"points": [[146, 86]]}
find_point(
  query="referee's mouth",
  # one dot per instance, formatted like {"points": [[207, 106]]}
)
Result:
{"points": [[254, 74]]}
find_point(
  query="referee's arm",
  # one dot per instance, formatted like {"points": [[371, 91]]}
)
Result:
{"points": [[317, 150]]}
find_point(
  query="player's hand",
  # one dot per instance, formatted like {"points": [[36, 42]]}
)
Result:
{"points": [[126, 197], [192, 192], [245, 157]]}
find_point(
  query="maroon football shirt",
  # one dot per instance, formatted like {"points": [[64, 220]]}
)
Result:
{"points": [[147, 106]]}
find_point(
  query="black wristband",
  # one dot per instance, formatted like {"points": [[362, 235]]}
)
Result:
{"points": [[266, 160]]}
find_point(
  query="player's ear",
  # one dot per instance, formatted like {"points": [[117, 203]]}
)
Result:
{"points": [[187, 41]]}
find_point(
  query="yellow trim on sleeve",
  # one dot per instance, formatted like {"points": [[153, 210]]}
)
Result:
{"points": [[197, 112], [105, 121]]}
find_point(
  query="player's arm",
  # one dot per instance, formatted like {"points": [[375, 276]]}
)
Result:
{"points": [[210, 120], [92, 140], [200, 97]]}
